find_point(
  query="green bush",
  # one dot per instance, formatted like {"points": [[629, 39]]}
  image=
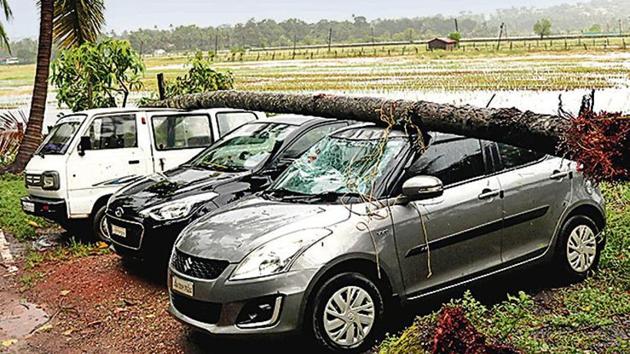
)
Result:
{"points": [[12, 219]]}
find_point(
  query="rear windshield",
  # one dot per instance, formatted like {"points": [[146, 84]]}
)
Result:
{"points": [[58, 139]]}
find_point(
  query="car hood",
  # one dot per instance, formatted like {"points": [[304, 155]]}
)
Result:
{"points": [[171, 185], [234, 231]]}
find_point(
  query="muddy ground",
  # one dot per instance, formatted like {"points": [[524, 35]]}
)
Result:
{"points": [[98, 304]]}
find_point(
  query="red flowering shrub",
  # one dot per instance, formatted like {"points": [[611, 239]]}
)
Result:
{"points": [[600, 143], [455, 334]]}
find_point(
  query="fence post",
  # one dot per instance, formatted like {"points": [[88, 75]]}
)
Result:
{"points": [[161, 89]]}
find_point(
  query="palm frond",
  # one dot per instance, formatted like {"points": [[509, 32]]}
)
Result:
{"points": [[12, 127], [4, 6], [8, 15], [13, 120], [78, 21]]}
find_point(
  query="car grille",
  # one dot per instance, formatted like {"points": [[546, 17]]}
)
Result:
{"points": [[206, 312], [198, 267], [33, 180], [134, 232]]}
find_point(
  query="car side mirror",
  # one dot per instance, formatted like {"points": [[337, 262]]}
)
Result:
{"points": [[84, 144], [422, 187]]}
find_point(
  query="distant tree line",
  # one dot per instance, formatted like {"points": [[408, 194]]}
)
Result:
{"points": [[597, 14], [594, 16]]}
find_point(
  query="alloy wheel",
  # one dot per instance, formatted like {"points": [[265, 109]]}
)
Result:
{"points": [[349, 316], [581, 248]]}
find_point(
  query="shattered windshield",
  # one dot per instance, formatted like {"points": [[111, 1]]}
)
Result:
{"points": [[58, 140], [245, 148], [340, 166]]}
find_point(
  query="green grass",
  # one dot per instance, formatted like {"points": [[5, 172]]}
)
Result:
{"points": [[581, 318], [12, 219]]}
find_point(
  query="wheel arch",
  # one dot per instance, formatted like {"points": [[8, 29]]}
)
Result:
{"points": [[99, 203], [358, 263]]}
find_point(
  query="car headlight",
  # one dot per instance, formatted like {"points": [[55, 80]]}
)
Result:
{"points": [[177, 209], [277, 256], [50, 180]]}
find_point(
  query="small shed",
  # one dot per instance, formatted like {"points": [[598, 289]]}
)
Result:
{"points": [[442, 43]]}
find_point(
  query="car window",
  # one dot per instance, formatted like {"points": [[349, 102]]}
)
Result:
{"points": [[303, 143], [451, 161], [512, 156], [113, 132], [175, 132], [229, 121]]}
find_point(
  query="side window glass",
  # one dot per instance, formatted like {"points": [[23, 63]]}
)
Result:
{"points": [[113, 132], [309, 139], [175, 132], [451, 161], [512, 156], [229, 121]]}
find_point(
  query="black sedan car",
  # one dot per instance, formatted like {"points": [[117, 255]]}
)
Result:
{"points": [[145, 218]]}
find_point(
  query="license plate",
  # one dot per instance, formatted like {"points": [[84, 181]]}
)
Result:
{"points": [[119, 231], [182, 286], [28, 206]]}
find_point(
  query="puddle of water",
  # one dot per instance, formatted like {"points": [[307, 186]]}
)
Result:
{"points": [[19, 318]]}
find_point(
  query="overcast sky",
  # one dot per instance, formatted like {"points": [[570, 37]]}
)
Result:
{"points": [[133, 14]]}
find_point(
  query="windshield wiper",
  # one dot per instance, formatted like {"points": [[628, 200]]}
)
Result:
{"points": [[289, 195], [222, 168]]}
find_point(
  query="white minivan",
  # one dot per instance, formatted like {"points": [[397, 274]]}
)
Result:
{"points": [[87, 156]]}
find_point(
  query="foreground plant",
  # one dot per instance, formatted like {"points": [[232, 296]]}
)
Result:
{"points": [[97, 75]]}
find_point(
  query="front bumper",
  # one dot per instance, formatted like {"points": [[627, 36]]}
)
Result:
{"points": [[230, 298], [143, 240], [54, 209]]}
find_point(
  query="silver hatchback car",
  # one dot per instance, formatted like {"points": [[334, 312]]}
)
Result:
{"points": [[366, 218]]}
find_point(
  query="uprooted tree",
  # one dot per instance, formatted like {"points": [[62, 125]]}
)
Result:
{"points": [[600, 143]]}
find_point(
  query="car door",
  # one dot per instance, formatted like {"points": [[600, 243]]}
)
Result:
{"points": [[116, 151], [463, 226], [177, 137], [537, 190]]}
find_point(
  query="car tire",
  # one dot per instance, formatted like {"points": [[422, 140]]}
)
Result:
{"points": [[577, 250], [98, 225], [328, 328]]}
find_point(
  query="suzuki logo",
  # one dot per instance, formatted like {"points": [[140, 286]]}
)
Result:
{"points": [[187, 265], [119, 212]]}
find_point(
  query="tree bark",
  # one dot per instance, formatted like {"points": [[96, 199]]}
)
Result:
{"points": [[529, 130], [33, 134]]}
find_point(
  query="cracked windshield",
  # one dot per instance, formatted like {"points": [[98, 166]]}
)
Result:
{"points": [[340, 166], [245, 148]]}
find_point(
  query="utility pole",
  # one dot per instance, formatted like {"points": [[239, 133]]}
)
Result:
{"points": [[216, 43], [372, 30], [329, 39], [456, 26], [294, 44], [500, 35]]}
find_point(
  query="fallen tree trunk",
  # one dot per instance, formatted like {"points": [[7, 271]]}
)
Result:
{"points": [[540, 132]]}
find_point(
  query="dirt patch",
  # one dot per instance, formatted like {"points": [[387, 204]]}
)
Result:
{"points": [[101, 306]]}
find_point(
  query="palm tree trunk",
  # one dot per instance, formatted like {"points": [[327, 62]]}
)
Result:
{"points": [[589, 141], [33, 134]]}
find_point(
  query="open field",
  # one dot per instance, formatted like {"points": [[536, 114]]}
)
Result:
{"points": [[458, 70]]}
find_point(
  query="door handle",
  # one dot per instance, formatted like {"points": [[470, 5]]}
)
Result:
{"points": [[134, 162], [558, 175], [488, 193]]}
